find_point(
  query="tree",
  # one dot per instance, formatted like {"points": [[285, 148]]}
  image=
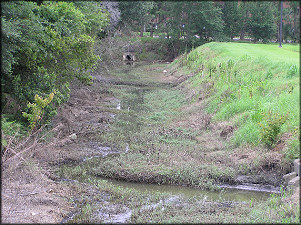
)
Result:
{"points": [[136, 13], [46, 46], [292, 24], [97, 16], [113, 9], [193, 18], [231, 18], [243, 15], [261, 22], [152, 16]]}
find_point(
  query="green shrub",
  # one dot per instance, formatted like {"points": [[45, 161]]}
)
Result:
{"points": [[37, 109], [271, 128], [11, 128]]}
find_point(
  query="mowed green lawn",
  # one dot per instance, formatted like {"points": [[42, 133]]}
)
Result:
{"points": [[289, 53]]}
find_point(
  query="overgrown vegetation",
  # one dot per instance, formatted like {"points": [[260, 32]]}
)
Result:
{"points": [[46, 46], [37, 110], [270, 131]]}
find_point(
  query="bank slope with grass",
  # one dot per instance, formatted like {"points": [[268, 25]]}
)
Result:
{"points": [[255, 86]]}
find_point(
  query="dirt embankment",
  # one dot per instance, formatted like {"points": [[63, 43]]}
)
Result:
{"points": [[31, 193]]}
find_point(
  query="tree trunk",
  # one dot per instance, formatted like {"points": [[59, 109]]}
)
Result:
{"points": [[142, 29], [242, 31], [294, 28], [278, 32], [152, 30], [278, 22]]}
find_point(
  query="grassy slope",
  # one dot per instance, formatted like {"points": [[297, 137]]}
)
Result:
{"points": [[287, 54], [251, 83]]}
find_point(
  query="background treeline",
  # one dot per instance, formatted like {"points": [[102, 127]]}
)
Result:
{"points": [[213, 20], [47, 44]]}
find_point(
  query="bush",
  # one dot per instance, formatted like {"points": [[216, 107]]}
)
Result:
{"points": [[271, 128], [45, 47], [37, 110]]}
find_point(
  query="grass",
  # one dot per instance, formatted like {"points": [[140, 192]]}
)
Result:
{"points": [[289, 53], [250, 80], [11, 129]]}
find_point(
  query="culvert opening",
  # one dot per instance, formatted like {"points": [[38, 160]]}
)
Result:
{"points": [[129, 57]]}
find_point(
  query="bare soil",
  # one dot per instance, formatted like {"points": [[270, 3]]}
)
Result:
{"points": [[31, 192]]}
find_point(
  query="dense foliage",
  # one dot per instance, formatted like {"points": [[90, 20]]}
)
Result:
{"points": [[212, 20], [46, 46]]}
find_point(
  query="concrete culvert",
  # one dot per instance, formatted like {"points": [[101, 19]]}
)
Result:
{"points": [[128, 57]]}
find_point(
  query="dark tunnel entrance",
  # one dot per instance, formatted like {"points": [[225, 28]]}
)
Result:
{"points": [[129, 57]]}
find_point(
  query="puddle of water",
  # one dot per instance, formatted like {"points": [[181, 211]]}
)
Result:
{"points": [[225, 194], [254, 188]]}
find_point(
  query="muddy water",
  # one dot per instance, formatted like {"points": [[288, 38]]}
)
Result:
{"points": [[187, 192]]}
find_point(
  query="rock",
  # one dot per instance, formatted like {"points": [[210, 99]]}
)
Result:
{"points": [[73, 136], [164, 71], [244, 179], [297, 166], [289, 176], [226, 131], [294, 182]]}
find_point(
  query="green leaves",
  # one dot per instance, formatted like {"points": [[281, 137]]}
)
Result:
{"points": [[45, 46], [271, 128], [261, 21], [37, 109]]}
